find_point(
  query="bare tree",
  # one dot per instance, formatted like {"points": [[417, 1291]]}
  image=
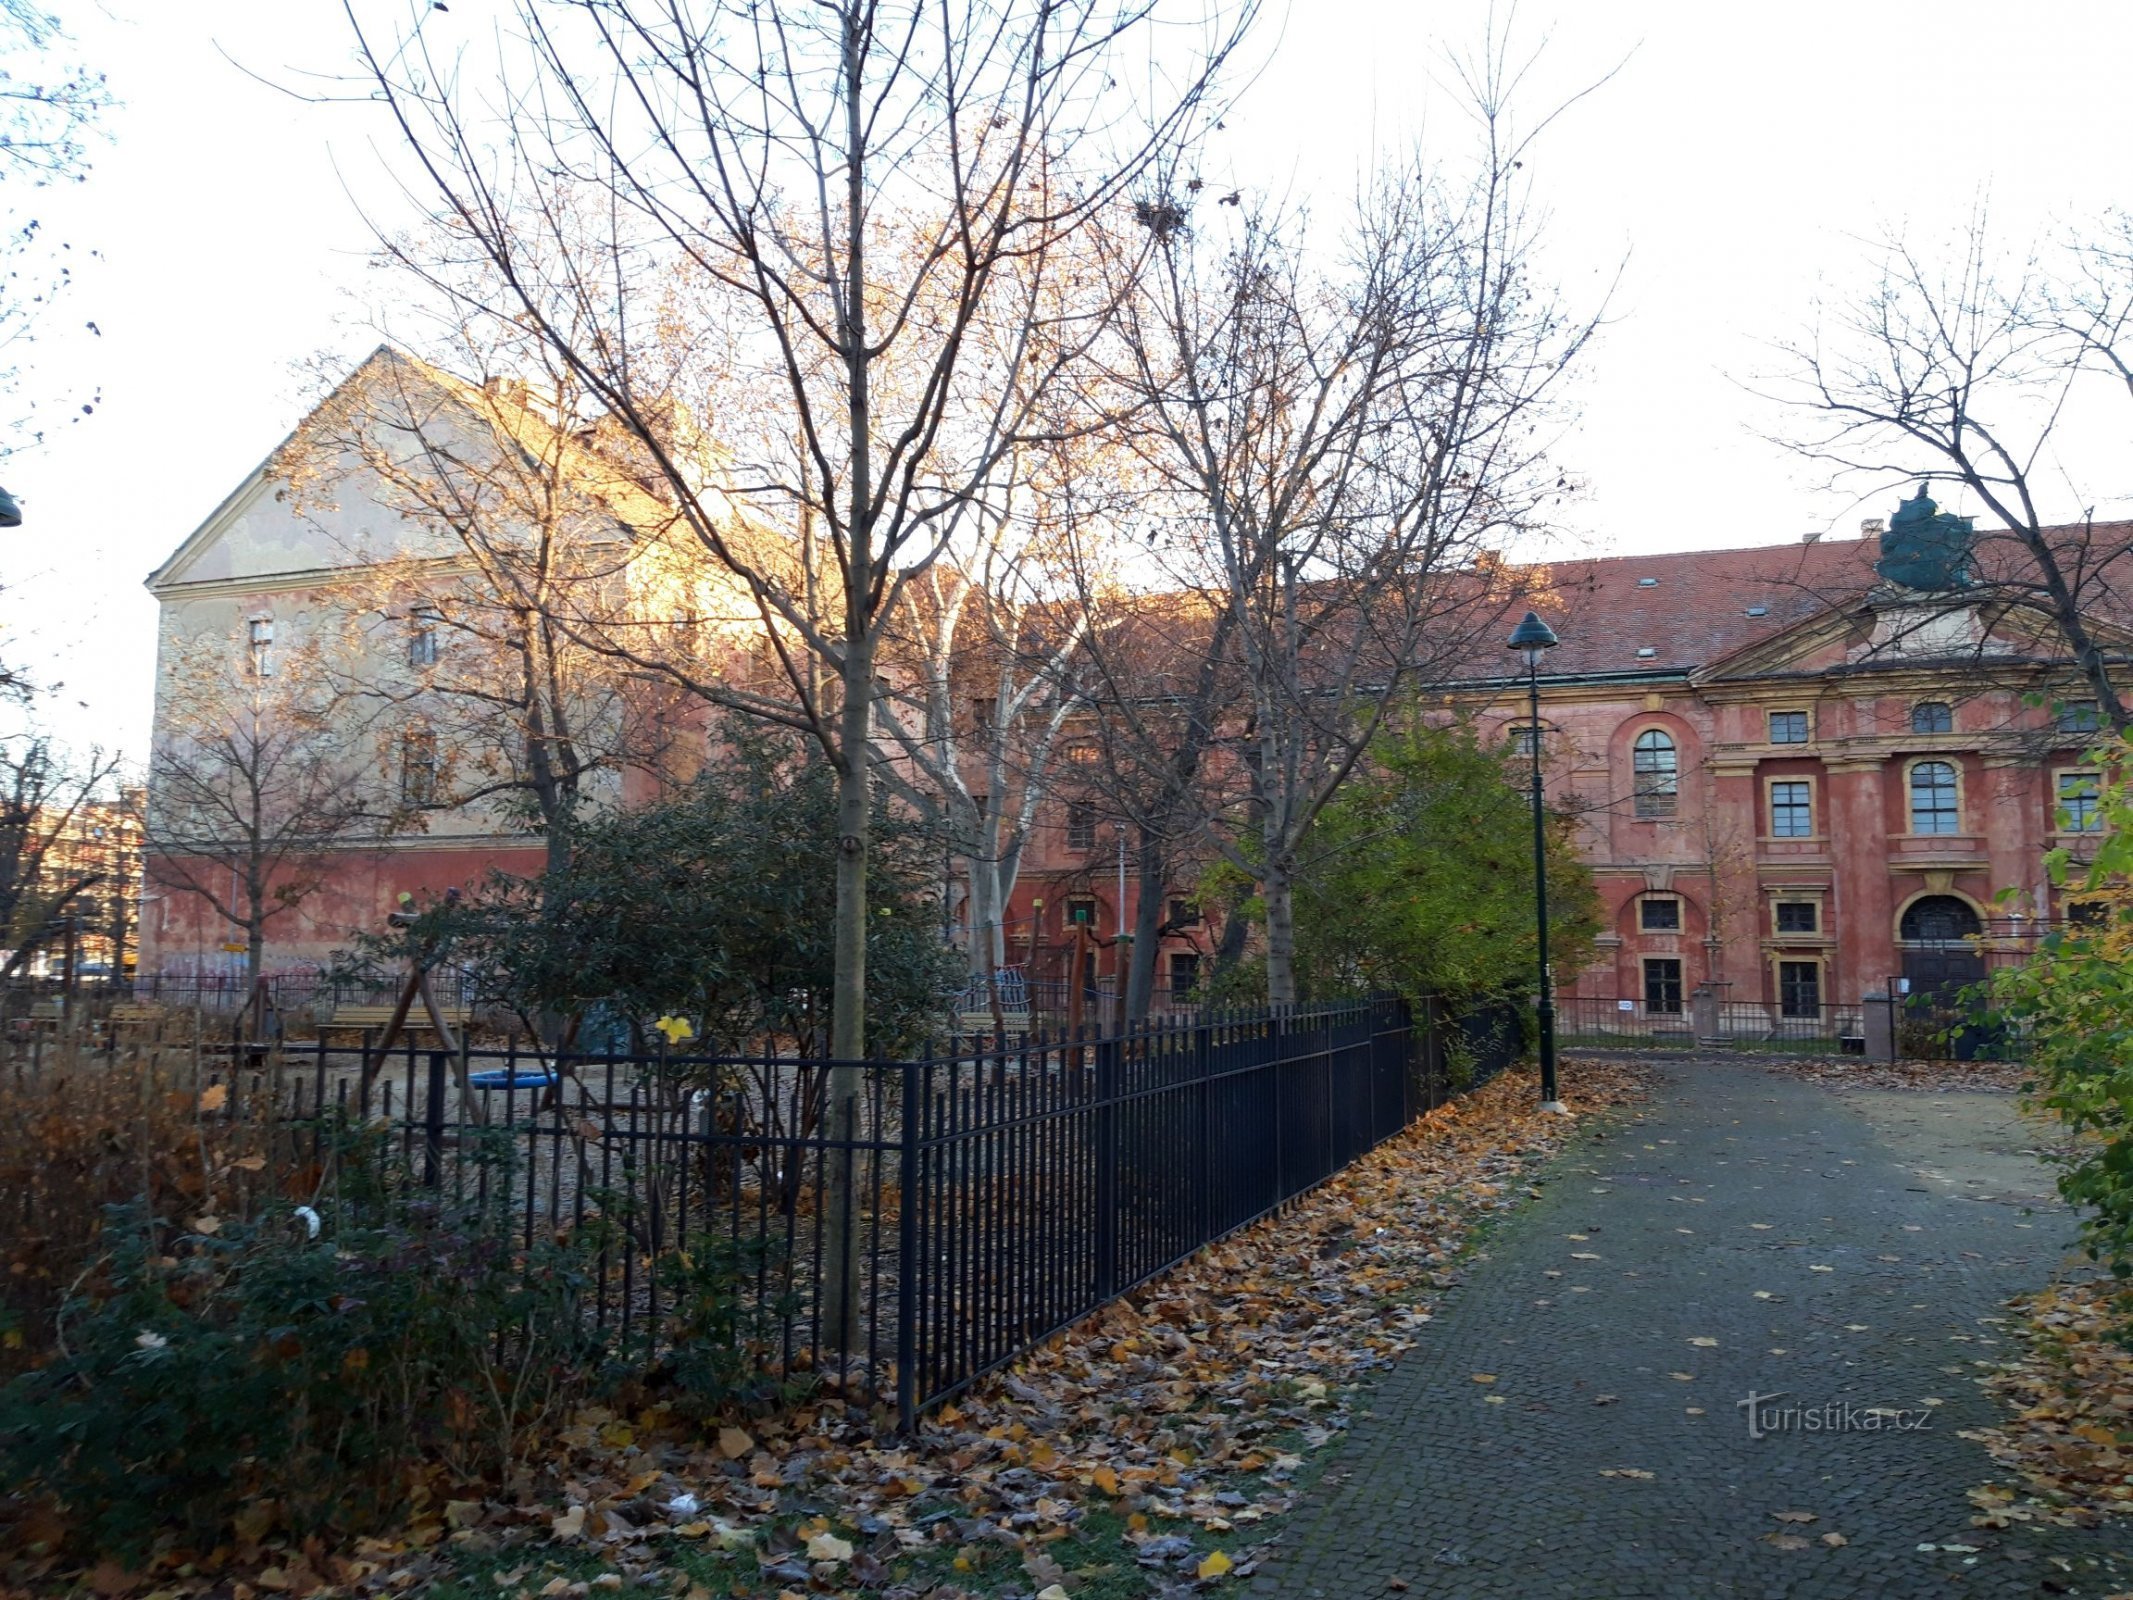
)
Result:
{"points": [[49, 108], [1346, 446], [1986, 373], [832, 232], [258, 777], [43, 882]]}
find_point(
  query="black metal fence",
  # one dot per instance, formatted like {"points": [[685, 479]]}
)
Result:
{"points": [[1586, 1023], [956, 1213]]}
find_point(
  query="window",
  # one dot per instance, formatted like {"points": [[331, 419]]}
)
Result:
{"points": [[1932, 716], [1653, 762], [1522, 739], [418, 767], [1083, 753], [262, 643], [2080, 807], [1184, 973], [1183, 913], [1800, 988], [422, 637], [1662, 985], [1788, 727], [1081, 911], [1792, 809], [2088, 913], [1799, 916], [1933, 808], [1081, 826], [2079, 716], [1659, 914], [981, 802]]}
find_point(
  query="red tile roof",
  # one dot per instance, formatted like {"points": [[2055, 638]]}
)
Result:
{"points": [[1691, 607]]}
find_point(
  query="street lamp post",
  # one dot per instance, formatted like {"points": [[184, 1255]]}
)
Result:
{"points": [[1531, 637]]}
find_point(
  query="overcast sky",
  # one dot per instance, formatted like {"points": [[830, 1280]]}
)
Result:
{"points": [[1731, 177]]}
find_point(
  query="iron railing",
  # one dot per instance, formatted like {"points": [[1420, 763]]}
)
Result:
{"points": [[1587, 1023], [967, 1207]]}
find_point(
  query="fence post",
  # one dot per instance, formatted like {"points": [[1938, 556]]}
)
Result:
{"points": [[1203, 1061], [908, 1256], [1107, 1086], [433, 1123]]}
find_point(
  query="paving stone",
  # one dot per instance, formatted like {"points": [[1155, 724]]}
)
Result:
{"points": [[1460, 1497]]}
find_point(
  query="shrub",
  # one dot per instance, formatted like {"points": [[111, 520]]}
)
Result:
{"points": [[322, 1375]]}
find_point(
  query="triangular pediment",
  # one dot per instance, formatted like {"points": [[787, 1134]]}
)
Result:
{"points": [[1899, 628]]}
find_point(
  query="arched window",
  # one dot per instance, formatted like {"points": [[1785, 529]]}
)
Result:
{"points": [[1932, 716], [1653, 762], [1938, 919], [1933, 799]]}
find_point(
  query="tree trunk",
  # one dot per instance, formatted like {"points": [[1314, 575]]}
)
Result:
{"points": [[848, 999], [1278, 891], [1147, 927]]}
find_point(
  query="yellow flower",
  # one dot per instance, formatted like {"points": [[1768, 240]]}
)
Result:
{"points": [[676, 1029]]}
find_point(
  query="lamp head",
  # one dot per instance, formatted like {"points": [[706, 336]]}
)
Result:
{"points": [[1531, 637]]}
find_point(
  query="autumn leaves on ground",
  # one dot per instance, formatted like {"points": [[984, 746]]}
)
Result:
{"points": [[1145, 1450]]}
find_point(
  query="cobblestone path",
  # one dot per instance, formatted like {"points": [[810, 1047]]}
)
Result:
{"points": [[1749, 1233]]}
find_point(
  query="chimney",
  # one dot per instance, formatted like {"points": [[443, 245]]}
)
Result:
{"points": [[1872, 528], [1814, 536]]}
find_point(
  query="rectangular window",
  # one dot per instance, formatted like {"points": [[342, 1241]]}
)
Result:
{"points": [[1799, 916], [1082, 912], [1183, 913], [2088, 913], [262, 643], [2079, 716], [422, 637], [1522, 740], [418, 767], [1081, 826], [1788, 727], [1800, 988], [1184, 973], [2080, 806], [1792, 810], [1662, 986], [1659, 914], [1933, 798]]}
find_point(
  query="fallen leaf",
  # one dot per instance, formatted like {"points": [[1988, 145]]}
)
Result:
{"points": [[1836, 1541], [1795, 1516], [570, 1525], [733, 1443], [1786, 1541], [214, 1097], [1484, 1377], [1703, 1342], [1214, 1565]]}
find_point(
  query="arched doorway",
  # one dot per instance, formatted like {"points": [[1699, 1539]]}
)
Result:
{"points": [[1936, 934]]}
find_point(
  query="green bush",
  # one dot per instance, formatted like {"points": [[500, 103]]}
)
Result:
{"points": [[324, 1375]]}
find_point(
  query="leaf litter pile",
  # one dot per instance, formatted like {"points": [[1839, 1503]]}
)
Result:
{"points": [[1140, 1452], [2069, 1443], [1938, 1077]]}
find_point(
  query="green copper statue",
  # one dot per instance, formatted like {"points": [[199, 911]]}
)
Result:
{"points": [[1925, 547]]}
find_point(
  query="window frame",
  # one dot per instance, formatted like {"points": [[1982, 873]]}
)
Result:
{"points": [[2094, 810], [1807, 725], [1910, 797], [1523, 741], [2065, 719], [1081, 827], [1645, 801], [423, 793], [1770, 804], [1647, 901], [1074, 903], [1947, 716], [259, 644], [1788, 1004], [1813, 908], [423, 623], [1678, 981], [1187, 961]]}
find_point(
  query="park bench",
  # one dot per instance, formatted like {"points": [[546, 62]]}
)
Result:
{"points": [[358, 1018]]}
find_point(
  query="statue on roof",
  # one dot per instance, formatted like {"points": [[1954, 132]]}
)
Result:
{"points": [[1925, 547]]}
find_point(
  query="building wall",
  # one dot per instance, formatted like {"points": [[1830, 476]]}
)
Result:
{"points": [[1861, 864]]}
